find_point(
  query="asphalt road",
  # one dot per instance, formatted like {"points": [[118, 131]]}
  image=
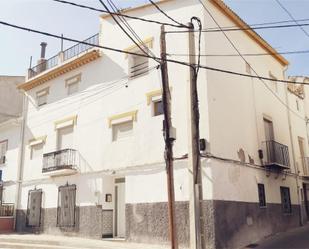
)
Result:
{"points": [[295, 239]]}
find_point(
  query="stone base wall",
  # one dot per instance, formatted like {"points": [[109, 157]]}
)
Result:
{"points": [[228, 224], [88, 222]]}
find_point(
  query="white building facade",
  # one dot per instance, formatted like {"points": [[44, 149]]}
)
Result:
{"points": [[93, 162]]}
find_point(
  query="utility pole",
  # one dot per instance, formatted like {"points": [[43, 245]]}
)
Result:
{"points": [[168, 138], [194, 162]]}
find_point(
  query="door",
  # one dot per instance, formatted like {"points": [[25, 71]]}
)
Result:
{"points": [[65, 138], [269, 138], [306, 198], [120, 217], [34, 208], [302, 154]]}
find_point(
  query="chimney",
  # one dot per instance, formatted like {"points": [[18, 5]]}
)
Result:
{"points": [[43, 49]]}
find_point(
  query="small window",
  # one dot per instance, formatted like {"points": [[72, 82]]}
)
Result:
{"points": [[0, 175], [3, 149], [41, 97], [122, 130], [262, 197], [72, 88], [36, 151], [286, 200], [138, 66], [158, 107], [273, 83]]}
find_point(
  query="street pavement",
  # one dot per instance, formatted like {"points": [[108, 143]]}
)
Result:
{"points": [[17, 241], [295, 239]]}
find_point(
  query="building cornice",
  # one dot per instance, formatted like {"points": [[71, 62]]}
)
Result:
{"points": [[61, 69]]}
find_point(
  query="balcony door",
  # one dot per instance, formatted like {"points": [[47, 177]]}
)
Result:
{"points": [[65, 138], [302, 154], [269, 130]]}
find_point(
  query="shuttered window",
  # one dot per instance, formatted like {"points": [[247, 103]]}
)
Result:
{"points": [[65, 138], [66, 206], [122, 130], [138, 66], [286, 200], [3, 149], [34, 208]]}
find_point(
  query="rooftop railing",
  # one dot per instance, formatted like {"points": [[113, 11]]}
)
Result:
{"points": [[63, 56]]}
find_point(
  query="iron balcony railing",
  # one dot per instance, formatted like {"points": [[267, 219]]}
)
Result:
{"points": [[63, 56], [6, 209], [61, 159], [277, 154], [80, 47]]}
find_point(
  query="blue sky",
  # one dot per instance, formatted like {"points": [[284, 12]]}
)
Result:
{"points": [[16, 47]]}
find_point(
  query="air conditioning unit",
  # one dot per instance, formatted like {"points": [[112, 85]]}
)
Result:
{"points": [[2, 160]]}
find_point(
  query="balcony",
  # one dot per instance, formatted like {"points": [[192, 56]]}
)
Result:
{"points": [[6, 209], [63, 56], [276, 155], [61, 162]]}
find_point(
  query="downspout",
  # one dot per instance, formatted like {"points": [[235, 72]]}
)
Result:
{"points": [[293, 151], [20, 164]]}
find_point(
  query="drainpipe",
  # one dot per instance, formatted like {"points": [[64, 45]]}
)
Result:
{"points": [[293, 151], [20, 165]]}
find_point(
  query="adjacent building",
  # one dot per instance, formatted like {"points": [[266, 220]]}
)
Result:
{"points": [[10, 132], [92, 146]]}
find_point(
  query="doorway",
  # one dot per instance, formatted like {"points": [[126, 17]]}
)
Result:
{"points": [[120, 208], [306, 198]]}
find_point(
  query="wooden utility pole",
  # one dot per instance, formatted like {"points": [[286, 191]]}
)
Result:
{"points": [[168, 138], [194, 161]]}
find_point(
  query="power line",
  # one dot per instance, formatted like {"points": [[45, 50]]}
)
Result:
{"points": [[257, 75], [118, 14], [142, 55], [242, 29], [246, 54], [292, 17], [166, 15], [123, 29], [115, 9]]}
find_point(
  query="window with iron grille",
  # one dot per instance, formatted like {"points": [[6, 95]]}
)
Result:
{"points": [[286, 200], [138, 66], [262, 197], [66, 206], [34, 208]]}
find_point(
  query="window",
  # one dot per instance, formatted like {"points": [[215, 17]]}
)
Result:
{"points": [[66, 206], [297, 104], [3, 149], [0, 175], [36, 151], [65, 138], [41, 97], [262, 197], [138, 66], [34, 208], [158, 107], [273, 84], [122, 130], [286, 200], [72, 84]]}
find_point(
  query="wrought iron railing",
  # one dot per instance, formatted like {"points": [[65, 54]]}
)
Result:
{"points": [[80, 47], [67, 54], [43, 66], [276, 154], [61, 159], [6, 209]]}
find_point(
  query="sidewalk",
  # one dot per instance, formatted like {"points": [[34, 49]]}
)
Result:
{"points": [[42, 241]]}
